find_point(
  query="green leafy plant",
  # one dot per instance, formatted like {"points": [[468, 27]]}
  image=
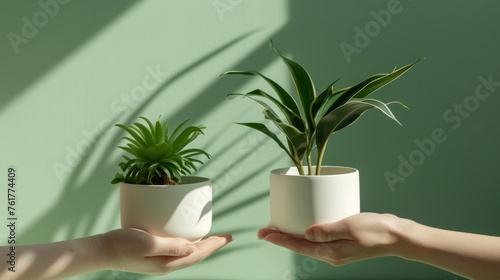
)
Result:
{"points": [[157, 157], [310, 126]]}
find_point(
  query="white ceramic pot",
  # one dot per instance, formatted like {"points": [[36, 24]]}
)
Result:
{"points": [[297, 201], [171, 211]]}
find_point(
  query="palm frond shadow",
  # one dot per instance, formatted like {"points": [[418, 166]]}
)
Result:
{"points": [[47, 50], [221, 150], [84, 194], [241, 204], [241, 181], [87, 195]]}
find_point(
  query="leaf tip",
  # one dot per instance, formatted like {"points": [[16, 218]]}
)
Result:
{"points": [[224, 74]]}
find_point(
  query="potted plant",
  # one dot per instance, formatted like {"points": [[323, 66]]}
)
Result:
{"points": [[156, 192], [308, 194]]}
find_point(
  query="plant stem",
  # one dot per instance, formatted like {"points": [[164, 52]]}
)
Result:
{"points": [[309, 165], [299, 167], [308, 153], [320, 160]]}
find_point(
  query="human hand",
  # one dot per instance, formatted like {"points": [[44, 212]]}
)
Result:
{"points": [[358, 237], [134, 250]]}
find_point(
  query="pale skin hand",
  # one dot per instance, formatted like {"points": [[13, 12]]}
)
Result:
{"points": [[370, 235], [129, 250]]}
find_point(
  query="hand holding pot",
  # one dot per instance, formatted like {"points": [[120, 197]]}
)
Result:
{"points": [[368, 235], [128, 249], [355, 238], [137, 251]]}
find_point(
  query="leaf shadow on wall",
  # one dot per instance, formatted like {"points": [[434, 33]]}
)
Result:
{"points": [[38, 43], [87, 195]]}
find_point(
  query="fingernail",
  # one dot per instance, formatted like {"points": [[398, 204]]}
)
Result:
{"points": [[190, 248], [309, 235]]}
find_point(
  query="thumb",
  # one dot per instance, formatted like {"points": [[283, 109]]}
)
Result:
{"points": [[328, 232], [163, 246]]}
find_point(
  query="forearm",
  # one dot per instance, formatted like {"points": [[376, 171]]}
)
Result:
{"points": [[470, 255], [55, 260]]}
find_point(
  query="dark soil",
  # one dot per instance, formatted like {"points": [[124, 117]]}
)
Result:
{"points": [[164, 180]]}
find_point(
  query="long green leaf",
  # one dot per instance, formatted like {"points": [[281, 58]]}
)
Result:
{"points": [[152, 168], [352, 91], [165, 132], [176, 176], [159, 133], [297, 140], [131, 151], [131, 174], [193, 152], [176, 157], [377, 84], [326, 104], [128, 163], [174, 134], [262, 128], [195, 160], [147, 134], [166, 171], [302, 82], [154, 154], [186, 137], [118, 178], [283, 95], [321, 98], [382, 107], [133, 133], [366, 87], [133, 141], [150, 124], [189, 165], [291, 116], [171, 162], [344, 116]]}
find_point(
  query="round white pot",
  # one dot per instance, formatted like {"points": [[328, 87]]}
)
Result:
{"points": [[171, 211], [298, 201]]}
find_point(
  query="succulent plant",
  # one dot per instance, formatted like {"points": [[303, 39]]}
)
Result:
{"points": [[319, 116], [157, 157]]}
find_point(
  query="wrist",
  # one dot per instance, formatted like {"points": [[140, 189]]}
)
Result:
{"points": [[406, 233], [100, 253]]}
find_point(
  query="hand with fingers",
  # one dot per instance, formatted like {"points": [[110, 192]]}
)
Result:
{"points": [[137, 251], [130, 250], [369, 235], [358, 237]]}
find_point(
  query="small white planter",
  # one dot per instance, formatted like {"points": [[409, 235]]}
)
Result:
{"points": [[171, 211], [297, 201]]}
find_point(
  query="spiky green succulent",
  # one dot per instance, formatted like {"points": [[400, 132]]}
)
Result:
{"points": [[319, 115], [158, 158]]}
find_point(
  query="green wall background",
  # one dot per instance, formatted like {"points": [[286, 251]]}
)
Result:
{"points": [[86, 65]]}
